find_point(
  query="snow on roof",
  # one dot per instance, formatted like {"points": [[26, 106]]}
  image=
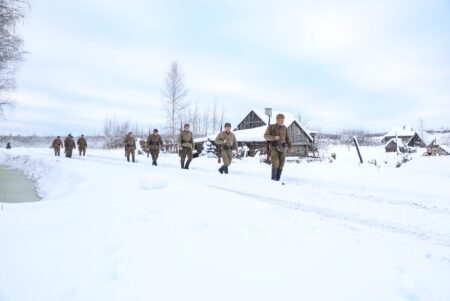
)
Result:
{"points": [[401, 131], [253, 135], [446, 148], [400, 142]]}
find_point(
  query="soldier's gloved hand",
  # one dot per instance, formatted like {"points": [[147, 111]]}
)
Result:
{"points": [[277, 138], [225, 141], [181, 148]]}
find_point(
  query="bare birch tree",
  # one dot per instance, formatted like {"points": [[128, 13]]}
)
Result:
{"points": [[421, 127], [214, 120], [174, 96], [205, 121], [11, 13], [222, 113]]}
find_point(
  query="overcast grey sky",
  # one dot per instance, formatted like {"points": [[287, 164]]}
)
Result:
{"points": [[341, 64]]}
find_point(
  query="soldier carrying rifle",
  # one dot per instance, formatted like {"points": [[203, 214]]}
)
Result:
{"points": [[130, 146], [57, 144], [277, 135], [185, 145], [154, 143], [227, 142]]}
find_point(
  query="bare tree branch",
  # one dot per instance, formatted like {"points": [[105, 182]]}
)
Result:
{"points": [[11, 13]]}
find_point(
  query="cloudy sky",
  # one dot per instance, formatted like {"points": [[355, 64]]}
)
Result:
{"points": [[340, 64]]}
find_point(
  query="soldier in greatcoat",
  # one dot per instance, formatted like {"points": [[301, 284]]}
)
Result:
{"points": [[130, 146], [154, 144], [226, 140], [185, 145], [82, 145], [69, 145], [56, 145], [277, 135]]}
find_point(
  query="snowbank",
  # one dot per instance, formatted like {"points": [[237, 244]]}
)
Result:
{"points": [[111, 230]]}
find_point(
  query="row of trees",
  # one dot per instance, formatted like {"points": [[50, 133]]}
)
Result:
{"points": [[12, 12], [115, 131]]}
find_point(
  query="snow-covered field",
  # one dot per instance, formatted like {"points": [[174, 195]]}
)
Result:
{"points": [[111, 230]]}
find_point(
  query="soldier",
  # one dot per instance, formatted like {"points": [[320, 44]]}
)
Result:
{"points": [[69, 144], [154, 144], [130, 146], [228, 143], [277, 135], [56, 145], [82, 145], [185, 145]]}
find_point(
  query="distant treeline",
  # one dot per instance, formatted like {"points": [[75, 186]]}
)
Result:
{"points": [[345, 137]]}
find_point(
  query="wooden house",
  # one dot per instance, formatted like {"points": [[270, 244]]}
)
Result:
{"points": [[391, 146], [407, 135], [250, 132]]}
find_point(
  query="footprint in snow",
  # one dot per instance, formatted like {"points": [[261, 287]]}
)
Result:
{"points": [[152, 184]]}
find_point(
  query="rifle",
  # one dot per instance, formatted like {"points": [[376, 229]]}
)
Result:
{"points": [[181, 131], [268, 147], [219, 150]]}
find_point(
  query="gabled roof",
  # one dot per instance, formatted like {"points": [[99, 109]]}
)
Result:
{"points": [[400, 142], [401, 131]]}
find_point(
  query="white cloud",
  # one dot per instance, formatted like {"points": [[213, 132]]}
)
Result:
{"points": [[364, 50]]}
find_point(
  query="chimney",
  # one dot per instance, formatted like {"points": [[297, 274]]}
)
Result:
{"points": [[404, 127]]}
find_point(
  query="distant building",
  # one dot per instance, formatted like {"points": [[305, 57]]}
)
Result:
{"points": [[407, 135], [250, 132], [435, 149], [391, 146]]}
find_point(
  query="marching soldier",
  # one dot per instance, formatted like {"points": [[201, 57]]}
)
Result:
{"points": [[69, 145], [154, 144], [56, 145], [82, 145], [130, 146], [228, 143], [185, 145], [277, 135]]}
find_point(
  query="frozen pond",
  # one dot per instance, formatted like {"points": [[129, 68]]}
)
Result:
{"points": [[15, 187]]}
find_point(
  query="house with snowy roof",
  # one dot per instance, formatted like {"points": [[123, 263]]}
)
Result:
{"points": [[395, 144], [407, 135], [250, 132]]}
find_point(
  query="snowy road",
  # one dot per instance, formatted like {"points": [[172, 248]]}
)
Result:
{"points": [[110, 230]]}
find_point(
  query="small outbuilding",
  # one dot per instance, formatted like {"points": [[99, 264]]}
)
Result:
{"points": [[435, 149], [408, 136], [391, 146]]}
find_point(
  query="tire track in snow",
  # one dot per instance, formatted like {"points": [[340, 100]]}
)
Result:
{"points": [[342, 217], [435, 209]]}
